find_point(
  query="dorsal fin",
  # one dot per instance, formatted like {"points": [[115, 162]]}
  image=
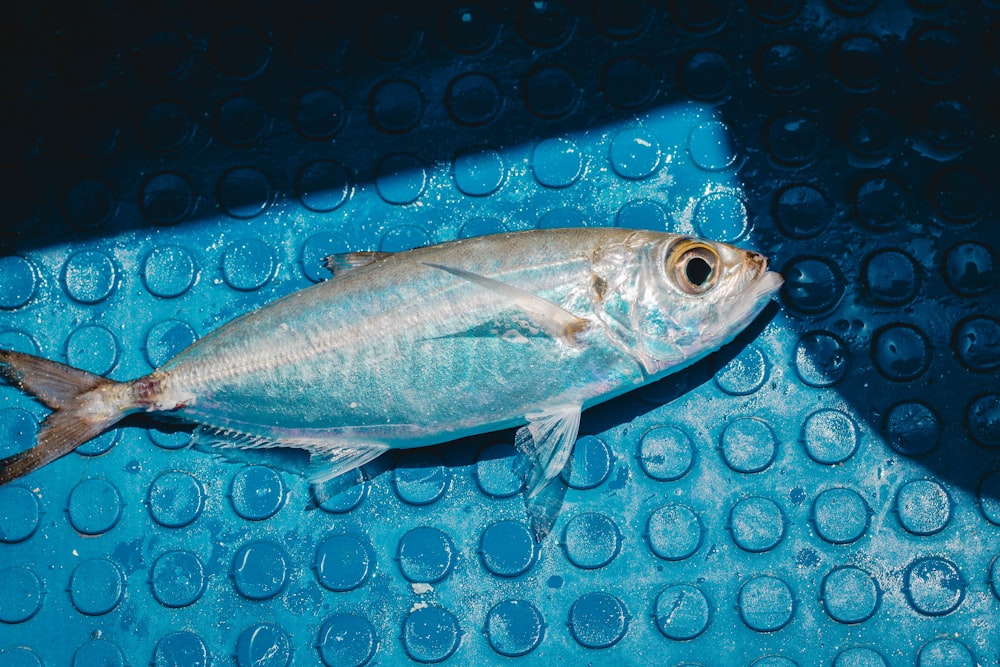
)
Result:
{"points": [[346, 261]]}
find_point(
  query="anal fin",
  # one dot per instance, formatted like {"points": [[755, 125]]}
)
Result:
{"points": [[327, 465]]}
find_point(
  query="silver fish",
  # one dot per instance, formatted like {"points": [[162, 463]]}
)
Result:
{"points": [[430, 345]]}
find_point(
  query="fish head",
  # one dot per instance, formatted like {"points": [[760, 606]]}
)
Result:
{"points": [[696, 296]]}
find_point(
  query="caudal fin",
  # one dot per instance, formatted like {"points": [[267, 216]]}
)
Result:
{"points": [[81, 403]]}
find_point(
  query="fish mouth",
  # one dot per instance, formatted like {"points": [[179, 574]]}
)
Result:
{"points": [[755, 297]]}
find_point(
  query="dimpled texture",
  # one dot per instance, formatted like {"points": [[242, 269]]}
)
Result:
{"points": [[826, 491]]}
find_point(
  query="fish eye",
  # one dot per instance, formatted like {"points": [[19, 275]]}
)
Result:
{"points": [[695, 268]]}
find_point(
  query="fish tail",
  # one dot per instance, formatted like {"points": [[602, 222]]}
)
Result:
{"points": [[83, 405]]}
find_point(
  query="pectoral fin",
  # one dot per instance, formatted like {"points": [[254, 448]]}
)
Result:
{"points": [[547, 442], [550, 317], [341, 263]]}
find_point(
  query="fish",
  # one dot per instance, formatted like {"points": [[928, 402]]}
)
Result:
{"points": [[430, 345]]}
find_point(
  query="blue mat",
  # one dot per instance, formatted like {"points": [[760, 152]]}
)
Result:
{"points": [[826, 490]]}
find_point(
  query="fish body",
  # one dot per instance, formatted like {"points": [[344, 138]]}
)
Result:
{"points": [[429, 345]]}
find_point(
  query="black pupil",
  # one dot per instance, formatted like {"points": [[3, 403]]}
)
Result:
{"points": [[697, 271]]}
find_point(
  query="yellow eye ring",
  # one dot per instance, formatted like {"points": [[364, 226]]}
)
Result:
{"points": [[695, 267]]}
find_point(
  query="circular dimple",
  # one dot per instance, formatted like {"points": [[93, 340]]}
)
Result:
{"points": [[869, 133], [499, 470], [880, 203], [96, 587], [744, 374], [92, 348], [721, 216], [165, 126], [175, 499], [89, 132], [812, 285], [473, 99], [400, 179], [166, 198], [934, 586], [240, 51], [950, 127], [923, 507], [775, 11], [88, 204], [89, 276], [989, 497], [635, 153], [392, 35], [17, 431], [343, 563], [18, 282], [20, 595], [550, 92], [562, 217], [774, 661], [481, 227], [757, 524], [514, 628], [802, 211], [244, 192], [830, 436], [674, 532], [681, 611], [792, 140], [403, 237], [164, 55], [241, 121], [165, 339], [469, 29], [319, 113], [666, 453], [901, 352], [983, 420], [706, 75], [784, 68], [850, 595], [840, 515], [629, 83], [749, 445], [257, 492], [545, 25], [937, 54], [98, 653], [859, 657], [642, 214], [591, 540], [347, 640], [709, 147], [395, 106], [507, 549], [621, 21], [340, 494], [431, 634], [315, 250], [177, 578], [420, 478], [702, 17], [820, 359], [968, 268], [181, 648], [94, 506], [912, 428], [766, 604], [19, 514], [891, 276], [976, 342], [316, 43], [15, 339], [591, 463], [945, 653], [557, 163], [169, 271], [264, 645], [248, 264], [323, 186], [598, 620], [959, 194], [260, 570], [479, 173], [995, 576], [859, 63], [426, 555]]}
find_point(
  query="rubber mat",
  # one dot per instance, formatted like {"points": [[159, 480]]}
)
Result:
{"points": [[824, 491]]}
